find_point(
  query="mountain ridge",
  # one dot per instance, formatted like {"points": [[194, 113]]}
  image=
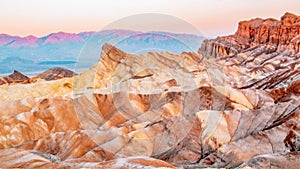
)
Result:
{"points": [[276, 35], [65, 36], [82, 48]]}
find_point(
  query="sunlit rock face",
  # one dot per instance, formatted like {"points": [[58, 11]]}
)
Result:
{"points": [[270, 34], [159, 110]]}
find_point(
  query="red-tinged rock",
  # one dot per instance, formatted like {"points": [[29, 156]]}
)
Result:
{"points": [[55, 73], [282, 34], [15, 77], [13, 158], [159, 109]]}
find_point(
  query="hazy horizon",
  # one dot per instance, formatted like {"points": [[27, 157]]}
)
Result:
{"points": [[212, 18]]}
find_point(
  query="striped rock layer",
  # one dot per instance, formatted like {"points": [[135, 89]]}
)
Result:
{"points": [[158, 110]]}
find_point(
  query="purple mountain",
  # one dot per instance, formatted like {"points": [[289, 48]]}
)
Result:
{"points": [[81, 50]]}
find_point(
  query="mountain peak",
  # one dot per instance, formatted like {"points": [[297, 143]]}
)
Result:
{"points": [[288, 14], [109, 47], [111, 52], [15, 77], [289, 19], [62, 37], [30, 37], [3, 35], [55, 73]]}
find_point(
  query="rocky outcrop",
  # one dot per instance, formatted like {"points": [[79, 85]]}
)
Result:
{"points": [[281, 160], [55, 73], [51, 74], [255, 68], [15, 77], [280, 34], [253, 59]]}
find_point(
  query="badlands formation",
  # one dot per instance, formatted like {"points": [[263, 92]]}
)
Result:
{"points": [[233, 104]]}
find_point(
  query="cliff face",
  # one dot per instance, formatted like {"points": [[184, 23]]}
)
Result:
{"points": [[283, 34]]}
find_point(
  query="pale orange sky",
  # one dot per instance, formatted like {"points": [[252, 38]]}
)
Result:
{"points": [[211, 17]]}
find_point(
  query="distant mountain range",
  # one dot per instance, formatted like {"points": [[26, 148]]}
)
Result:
{"points": [[32, 54]]}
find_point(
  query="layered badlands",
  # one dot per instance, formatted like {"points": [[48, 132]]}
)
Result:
{"points": [[225, 107]]}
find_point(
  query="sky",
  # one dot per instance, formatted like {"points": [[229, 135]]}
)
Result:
{"points": [[210, 17]]}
